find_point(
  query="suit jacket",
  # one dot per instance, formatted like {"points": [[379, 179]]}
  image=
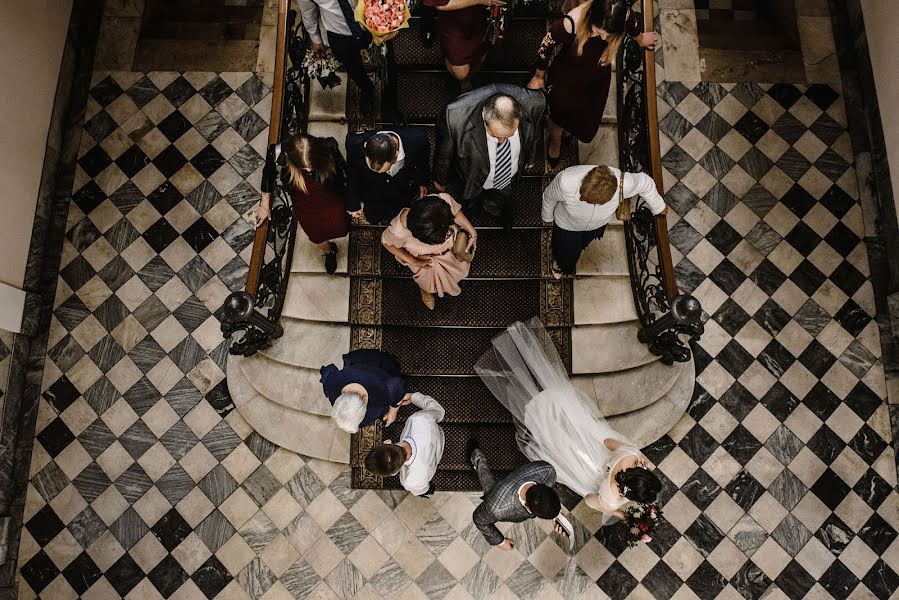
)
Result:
{"points": [[385, 196], [461, 153], [501, 502]]}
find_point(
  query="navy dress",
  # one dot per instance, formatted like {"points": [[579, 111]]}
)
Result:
{"points": [[378, 372]]}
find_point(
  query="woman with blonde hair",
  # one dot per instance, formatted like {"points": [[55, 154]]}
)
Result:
{"points": [[576, 58], [315, 172]]}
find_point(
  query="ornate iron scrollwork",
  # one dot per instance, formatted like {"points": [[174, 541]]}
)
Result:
{"points": [[665, 330], [257, 317]]}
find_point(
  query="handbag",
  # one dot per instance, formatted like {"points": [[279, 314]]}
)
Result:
{"points": [[623, 212], [461, 238]]}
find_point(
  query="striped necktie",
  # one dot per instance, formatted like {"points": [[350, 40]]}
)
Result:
{"points": [[502, 176]]}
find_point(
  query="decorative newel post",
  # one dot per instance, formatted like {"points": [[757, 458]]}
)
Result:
{"points": [[686, 316], [239, 312]]}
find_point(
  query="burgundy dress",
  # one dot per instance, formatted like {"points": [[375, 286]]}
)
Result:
{"points": [[321, 212], [579, 85], [463, 33]]}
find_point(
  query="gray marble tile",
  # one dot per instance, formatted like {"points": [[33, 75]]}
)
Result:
{"points": [[133, 483], [305, 486], [436, 534], [788, 489], [857, 359], [763, 238], [390, 580], [258, 532], [256, 578], [346, 580], [572, 581], [215, 530], [748, 535], [175, 484], [526, 582], [87, 527], [436, 582], [261, 485], [299, 579], [791, 535], [812, 317], [129, 528], [221, 440], [347, 533], [218, 485], [49, 481], [784, 444]]}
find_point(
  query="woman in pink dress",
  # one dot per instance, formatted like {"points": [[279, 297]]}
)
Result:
{"points": [[421, 238]]}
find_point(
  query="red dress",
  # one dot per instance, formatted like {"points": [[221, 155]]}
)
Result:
{"points": [[321, 212], [463, 33], [579, 85]]}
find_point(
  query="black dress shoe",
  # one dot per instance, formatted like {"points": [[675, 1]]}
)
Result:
{"points": [[470, 447], [507, 218], [331, 260], [553, 162], [366, 105]]}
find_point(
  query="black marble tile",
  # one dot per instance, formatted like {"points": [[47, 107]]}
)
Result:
{"points": [[842, 239], [731, 317], [826, 444], [771, 317], [133, 483], [794, 581], [106, 91], [684, 237], [116, 273], [834, 534], [798, 201], [662, 582], [868, 444], [82, 573], [124, 575], [106, 353], [89, 197], [132, 161], [215, 91], [837, 201], [847, 278], [211, 577], [76, 274], [831, 164], [175, 484], [830, 488], [852, 318], [215, 530], [174, 126], [780, 401], [881, 580], [62, 393], [111, 313], [768, 277], [211, 126], [747, 93], [822, 95], [738, 401], [755, 163], [803, 238], [50, 481], [178, 92], [617, 582], [704, 534], [758, 199], [872, 488], [877, 534], [142, 92], [171, 529], [785, 94], [744, 489], [196, 273], [812, 317], [706, 582], [735, 359], [204, 197], [713, 127], [675, 126], [817, 359], [750, 581], [220, 399], [207, 161], [91, 482], [44, 525], [678, 162], [252, 90], [751, 127], [863, 401], [100, 126], [94, 161], [727, 276], [167, 576], [55, 437], [249, 125], [200, 234], [87, 527], [701, 403], [155, 274], [839, 581], [39, 571], [129, 528], [701, 489]]}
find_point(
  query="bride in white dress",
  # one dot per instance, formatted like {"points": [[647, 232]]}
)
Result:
{"points": [[558, 423]]}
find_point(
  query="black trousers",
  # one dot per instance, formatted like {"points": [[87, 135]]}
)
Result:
{"points": [[494, 202], [569, 245], [347, 50]]}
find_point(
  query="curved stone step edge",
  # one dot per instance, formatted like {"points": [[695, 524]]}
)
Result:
{"points": [[648, 424], [588, 339], [304, 433], [292, 339], [297, 388], [603, 300], [307, 257], [608, 256], [314, 297], [625, 391]]}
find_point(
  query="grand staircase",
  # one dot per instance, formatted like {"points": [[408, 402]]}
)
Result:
{"points": [[373, 302]]}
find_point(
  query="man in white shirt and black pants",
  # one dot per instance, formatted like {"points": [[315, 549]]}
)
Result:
{"points": [[418, 451], [346, 37], [581, 201]]}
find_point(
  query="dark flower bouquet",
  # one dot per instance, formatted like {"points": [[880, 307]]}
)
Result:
{"points": [[641, 521], [322, 66]]}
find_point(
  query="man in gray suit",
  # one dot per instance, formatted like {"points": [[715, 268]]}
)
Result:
{"points": [[485, 140], [523, 494]]}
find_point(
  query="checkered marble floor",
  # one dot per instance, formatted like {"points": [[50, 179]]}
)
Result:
{"points": [[145, 484]]}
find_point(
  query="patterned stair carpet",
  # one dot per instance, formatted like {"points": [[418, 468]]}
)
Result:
{"points": [[509, 280]]}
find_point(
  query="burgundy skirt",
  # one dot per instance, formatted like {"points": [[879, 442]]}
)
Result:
{"points": [[321, 213]]}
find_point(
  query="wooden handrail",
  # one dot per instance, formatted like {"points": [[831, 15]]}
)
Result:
{"points": [[274, 136], [655, 156]]}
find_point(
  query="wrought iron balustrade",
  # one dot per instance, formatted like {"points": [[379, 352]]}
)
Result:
{"points": [[669, 320], [250, 318]]}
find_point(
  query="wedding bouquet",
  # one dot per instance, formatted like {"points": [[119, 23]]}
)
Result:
{"points": [[641, 521], [383, 18], [322, 66]]}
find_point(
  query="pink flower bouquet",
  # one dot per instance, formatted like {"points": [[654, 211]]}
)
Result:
{"points": [[383, 18]]}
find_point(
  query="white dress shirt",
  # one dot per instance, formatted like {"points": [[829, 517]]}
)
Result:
{"points": [[400, 155], [492, 145], [562, 202], [331, 16], [426, 438]]}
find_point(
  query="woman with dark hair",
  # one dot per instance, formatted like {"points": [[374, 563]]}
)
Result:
{"points": [[558, 423], [576, 57], [422, 238], [315, 172]]}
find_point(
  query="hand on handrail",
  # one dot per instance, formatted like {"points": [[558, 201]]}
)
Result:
{"points": [[649, 40]]}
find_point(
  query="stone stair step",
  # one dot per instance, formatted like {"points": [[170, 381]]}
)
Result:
{"points": [[298, 388], [307, 258], [318, 297], [326, 129], [603, 299], [645, 426], [608, 256], [310, 344], [607, 348], [328, 104], [628, 390], [603, 148]]}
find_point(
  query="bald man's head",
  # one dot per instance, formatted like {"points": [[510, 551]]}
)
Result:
{"points": [[501, 116]]}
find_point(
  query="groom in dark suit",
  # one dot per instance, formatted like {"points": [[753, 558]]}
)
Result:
{"points": [[523, 494], [388, 171], [485, 140]]}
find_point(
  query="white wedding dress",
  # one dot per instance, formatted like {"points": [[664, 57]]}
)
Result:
{"points": [[556, 422]]}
